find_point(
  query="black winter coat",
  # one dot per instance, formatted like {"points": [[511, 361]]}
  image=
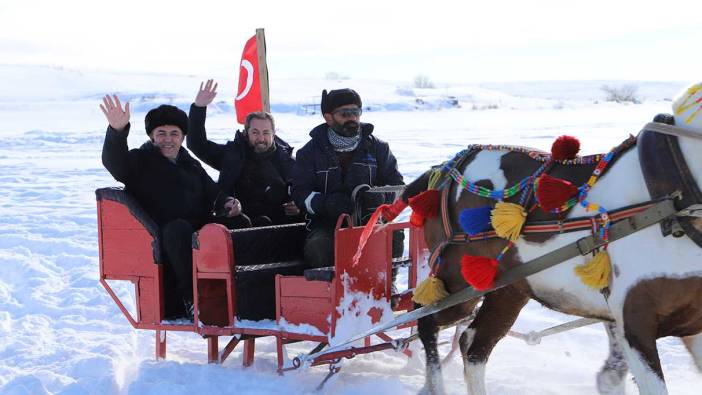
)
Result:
{"points": [[318, 169], [241, 168], [166, 190]]}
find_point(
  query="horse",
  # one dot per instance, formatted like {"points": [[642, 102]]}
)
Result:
{"points": [[655, 286]]}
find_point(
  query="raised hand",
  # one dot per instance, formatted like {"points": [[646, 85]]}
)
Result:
{"points": [[206, 94], [112, 109]]}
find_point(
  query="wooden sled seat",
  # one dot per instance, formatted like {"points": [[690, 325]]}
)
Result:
{"points": [[234, 271]]}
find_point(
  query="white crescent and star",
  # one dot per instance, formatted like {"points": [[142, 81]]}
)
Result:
{"points": [[249, 79]]}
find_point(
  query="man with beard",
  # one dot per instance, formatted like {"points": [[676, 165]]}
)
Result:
{"points": [[256, 167], [342, 155], [171, 186]]}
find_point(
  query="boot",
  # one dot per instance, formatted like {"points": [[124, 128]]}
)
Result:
{"points": [[189, 309]]}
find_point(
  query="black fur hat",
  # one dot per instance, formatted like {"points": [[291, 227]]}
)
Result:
{"points": [[337, 98], [166, 115]]}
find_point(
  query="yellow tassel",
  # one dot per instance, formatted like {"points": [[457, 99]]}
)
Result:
{"points": [[508, 219], [429, 291], [434, 178], [595, 274]]}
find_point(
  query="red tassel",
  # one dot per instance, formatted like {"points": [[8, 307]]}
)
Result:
{"points": [[565, 147], [552, 192], [417, 220], [479, 271], [426, 204], [391, 211]]}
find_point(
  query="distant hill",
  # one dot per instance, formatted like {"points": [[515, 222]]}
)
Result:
{"points": [[56, 84]]}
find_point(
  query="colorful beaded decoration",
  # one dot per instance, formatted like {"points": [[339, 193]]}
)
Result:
{"points": [[602, 160], [499, 256], [449, 168], [689, 103], [495, 194]]}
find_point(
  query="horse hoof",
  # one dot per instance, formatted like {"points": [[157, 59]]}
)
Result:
{"points": [[426, 391], [610, 382]]}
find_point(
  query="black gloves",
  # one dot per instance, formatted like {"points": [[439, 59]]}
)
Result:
{"points": [[371, 201]]}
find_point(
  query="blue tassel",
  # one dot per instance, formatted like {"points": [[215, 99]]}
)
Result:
{"points": [[475, 220]]}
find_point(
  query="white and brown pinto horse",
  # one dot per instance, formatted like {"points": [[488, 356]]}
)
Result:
{"points": [[655, 288]]}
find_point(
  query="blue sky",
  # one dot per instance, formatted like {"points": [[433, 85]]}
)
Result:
{"points": [[450, 41]]}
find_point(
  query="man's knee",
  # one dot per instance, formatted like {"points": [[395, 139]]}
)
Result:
{"points": [[177, 232], [240, 221], [319, 249], [177, 243]]}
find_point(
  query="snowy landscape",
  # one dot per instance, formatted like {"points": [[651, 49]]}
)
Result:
{"points": [[61, 333]]}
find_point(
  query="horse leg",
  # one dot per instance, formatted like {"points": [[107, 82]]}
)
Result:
{"points": [[429, 334], [694, 346], [610, 379], [640, 328], [492, 322]]}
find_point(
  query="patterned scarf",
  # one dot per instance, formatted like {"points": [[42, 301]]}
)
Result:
{"points": [[342, 143]]}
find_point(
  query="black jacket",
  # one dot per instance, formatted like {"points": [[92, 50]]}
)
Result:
{"points": [[259, 181], [318, 169], [166, 190]]}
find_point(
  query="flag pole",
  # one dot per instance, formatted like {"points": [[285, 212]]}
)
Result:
{"points": [[263, 69]]}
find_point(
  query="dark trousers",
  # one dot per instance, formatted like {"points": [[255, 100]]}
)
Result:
{"points": [[319, 247], [177, 237], [239, 222], [176, 240]]}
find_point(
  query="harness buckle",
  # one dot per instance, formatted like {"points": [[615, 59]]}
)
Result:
{"points": [[585, 245]]}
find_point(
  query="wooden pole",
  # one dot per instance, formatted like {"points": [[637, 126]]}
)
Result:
{"points": [[263, 69]]}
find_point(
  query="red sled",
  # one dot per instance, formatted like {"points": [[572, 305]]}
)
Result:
{"points": [[252, 283]]}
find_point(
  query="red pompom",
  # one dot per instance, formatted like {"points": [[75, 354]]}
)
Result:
{"points": [[552, 192], [479, 271], [426, 204], [565, 147]]}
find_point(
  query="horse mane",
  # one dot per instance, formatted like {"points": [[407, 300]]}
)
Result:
{"points": [[416, 187]]}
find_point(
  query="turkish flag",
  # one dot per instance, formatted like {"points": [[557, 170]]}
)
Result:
{"points": [[248, 98]]}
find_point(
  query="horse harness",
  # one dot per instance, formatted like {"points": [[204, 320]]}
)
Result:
{"points": [[665, 171], [550, 227]]}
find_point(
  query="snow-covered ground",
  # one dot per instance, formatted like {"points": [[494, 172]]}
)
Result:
{"points": [[60, 332]]}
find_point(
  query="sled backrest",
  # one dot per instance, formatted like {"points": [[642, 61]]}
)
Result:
{"points": [[129, 250]]}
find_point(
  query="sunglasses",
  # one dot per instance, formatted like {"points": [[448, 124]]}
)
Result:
{"points": [[348, 112]]}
